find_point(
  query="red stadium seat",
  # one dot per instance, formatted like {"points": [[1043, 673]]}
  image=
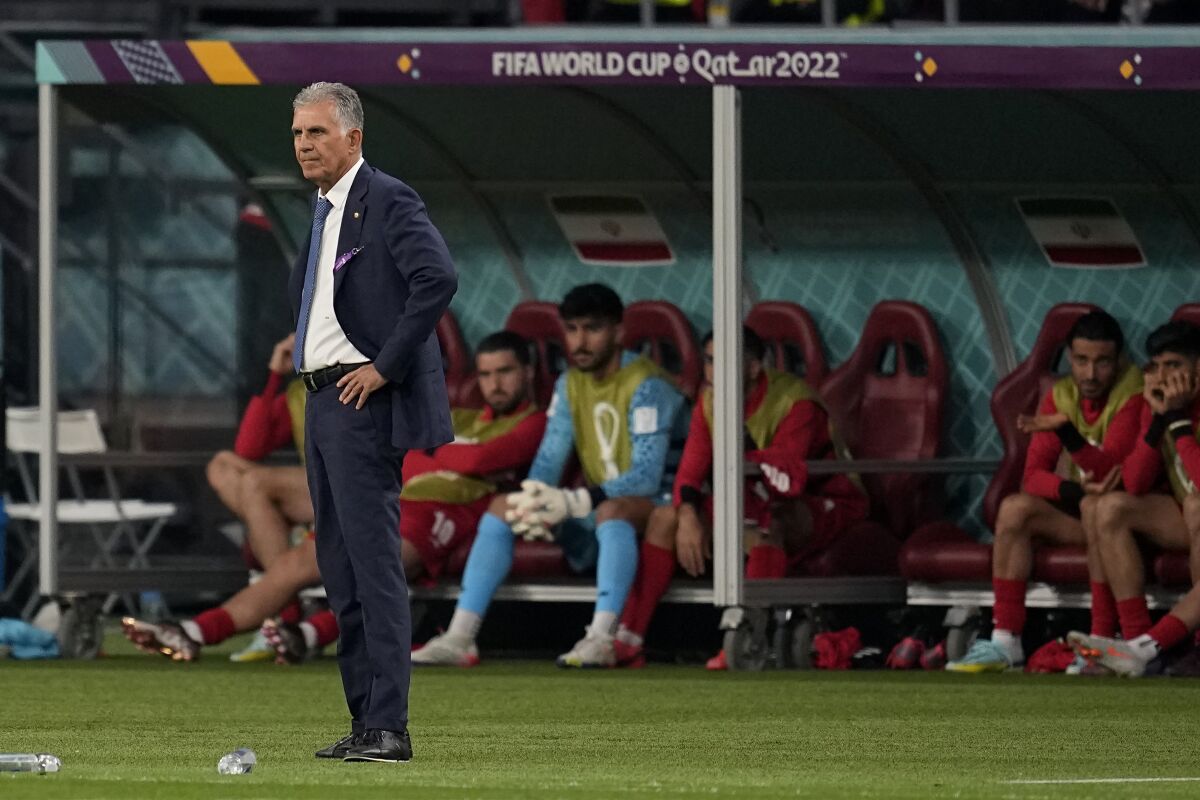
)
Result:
{"points": [[888, 399], [1188, 312], [660, 331], [942, 551], [538, 321], [1172, 569], [897, 374], [946, 553], [793, 343], [456, 360], [530, 560]]}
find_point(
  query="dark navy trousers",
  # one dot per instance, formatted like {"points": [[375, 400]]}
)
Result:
{"points": [[354, 478]]}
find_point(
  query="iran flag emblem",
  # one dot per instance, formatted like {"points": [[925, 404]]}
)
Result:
{"points": [[1082, 232], [612, 230]]}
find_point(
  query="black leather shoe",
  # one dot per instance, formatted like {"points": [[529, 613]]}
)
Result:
{"points": [[381, 745], [339, 748]]}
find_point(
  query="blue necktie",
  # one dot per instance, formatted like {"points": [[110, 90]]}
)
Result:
{"points": [[310, 278]]}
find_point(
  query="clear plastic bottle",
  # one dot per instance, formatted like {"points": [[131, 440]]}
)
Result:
{"points": [[239, 762], [29, 762]]}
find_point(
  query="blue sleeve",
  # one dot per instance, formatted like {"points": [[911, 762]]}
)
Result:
{"points": [[558, 442], [652, 415]]}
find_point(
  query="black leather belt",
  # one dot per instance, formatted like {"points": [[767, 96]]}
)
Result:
{"points": [[320, 378]]}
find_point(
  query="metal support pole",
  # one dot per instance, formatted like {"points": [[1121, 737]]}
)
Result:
{"points": [[47, 347], [950, 8], [727, 346], [646, 13], [829, 13]]}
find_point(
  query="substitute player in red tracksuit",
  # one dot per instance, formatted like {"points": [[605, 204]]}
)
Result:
{"points": [[1084, 428], [790, 517], [1168, 448]]}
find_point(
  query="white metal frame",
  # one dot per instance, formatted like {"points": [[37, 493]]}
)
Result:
{"points": [[727, 346], [47, 341]]}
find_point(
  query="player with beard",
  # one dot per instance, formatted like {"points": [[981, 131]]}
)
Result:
{"points": [[615, 410], [1168, 453], [790, 515], [1089, 421], [445, 492]]}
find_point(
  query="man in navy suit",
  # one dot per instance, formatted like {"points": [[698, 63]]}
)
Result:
{"points": [[367, 291]]}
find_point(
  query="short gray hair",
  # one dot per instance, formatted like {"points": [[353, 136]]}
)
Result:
{"points": [[347, 108]]}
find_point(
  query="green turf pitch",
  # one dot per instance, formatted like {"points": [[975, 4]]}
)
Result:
{"points": [[134, 726]]}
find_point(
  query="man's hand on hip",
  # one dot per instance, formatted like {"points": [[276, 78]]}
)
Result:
{"points": [[360, 383]]}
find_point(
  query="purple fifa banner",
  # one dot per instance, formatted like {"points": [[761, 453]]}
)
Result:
{"points": [[632, 63]]}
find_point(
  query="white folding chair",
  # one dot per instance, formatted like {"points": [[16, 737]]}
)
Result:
{"points": [[109, 519]]}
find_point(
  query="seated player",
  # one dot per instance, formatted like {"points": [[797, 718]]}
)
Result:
{"points": [[1168, 445], [440, 505], [269, 500], [446, 491], [615, 411], [791, 516], [1091, 417]]}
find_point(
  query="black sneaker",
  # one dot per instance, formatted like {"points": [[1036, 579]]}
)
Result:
{"points": [[339, 748], [1186, 665], [381, 745], [287, 640]]}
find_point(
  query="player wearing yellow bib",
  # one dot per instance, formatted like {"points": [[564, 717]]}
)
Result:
{"points": [[447, 491], [1089, 420], [615, 411], [1166, 454], [790, 515]]}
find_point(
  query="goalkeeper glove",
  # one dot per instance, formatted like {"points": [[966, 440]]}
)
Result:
{"points": [[548, 504]]}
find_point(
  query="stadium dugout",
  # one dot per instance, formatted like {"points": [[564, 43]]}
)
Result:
{"points": [[834, 169]]}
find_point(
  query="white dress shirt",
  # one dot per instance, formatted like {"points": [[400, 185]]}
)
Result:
{"points": [[325, 343]]}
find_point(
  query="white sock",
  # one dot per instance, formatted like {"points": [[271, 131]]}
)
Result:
{"points": [[1010, 643], [628, 637], [192, 630], [310, 635], [464, 626], [1145, 646], [604, 623]]}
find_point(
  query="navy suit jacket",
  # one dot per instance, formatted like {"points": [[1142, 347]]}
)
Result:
{"points": [[388, 297]]}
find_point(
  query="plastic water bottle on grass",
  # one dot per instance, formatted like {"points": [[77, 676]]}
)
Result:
{"points": [[29, 762], [239, 762]]}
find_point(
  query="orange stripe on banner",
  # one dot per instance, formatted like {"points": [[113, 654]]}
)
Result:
{"points": [[221, 62]]}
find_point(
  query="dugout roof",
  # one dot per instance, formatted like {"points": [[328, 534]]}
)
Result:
{"points": [[677, 105]]}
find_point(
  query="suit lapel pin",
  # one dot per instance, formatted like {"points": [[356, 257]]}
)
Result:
{"points": [[356, 215]]}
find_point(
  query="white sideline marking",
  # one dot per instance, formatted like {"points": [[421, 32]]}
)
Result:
{"points": [[1104, 780]]}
